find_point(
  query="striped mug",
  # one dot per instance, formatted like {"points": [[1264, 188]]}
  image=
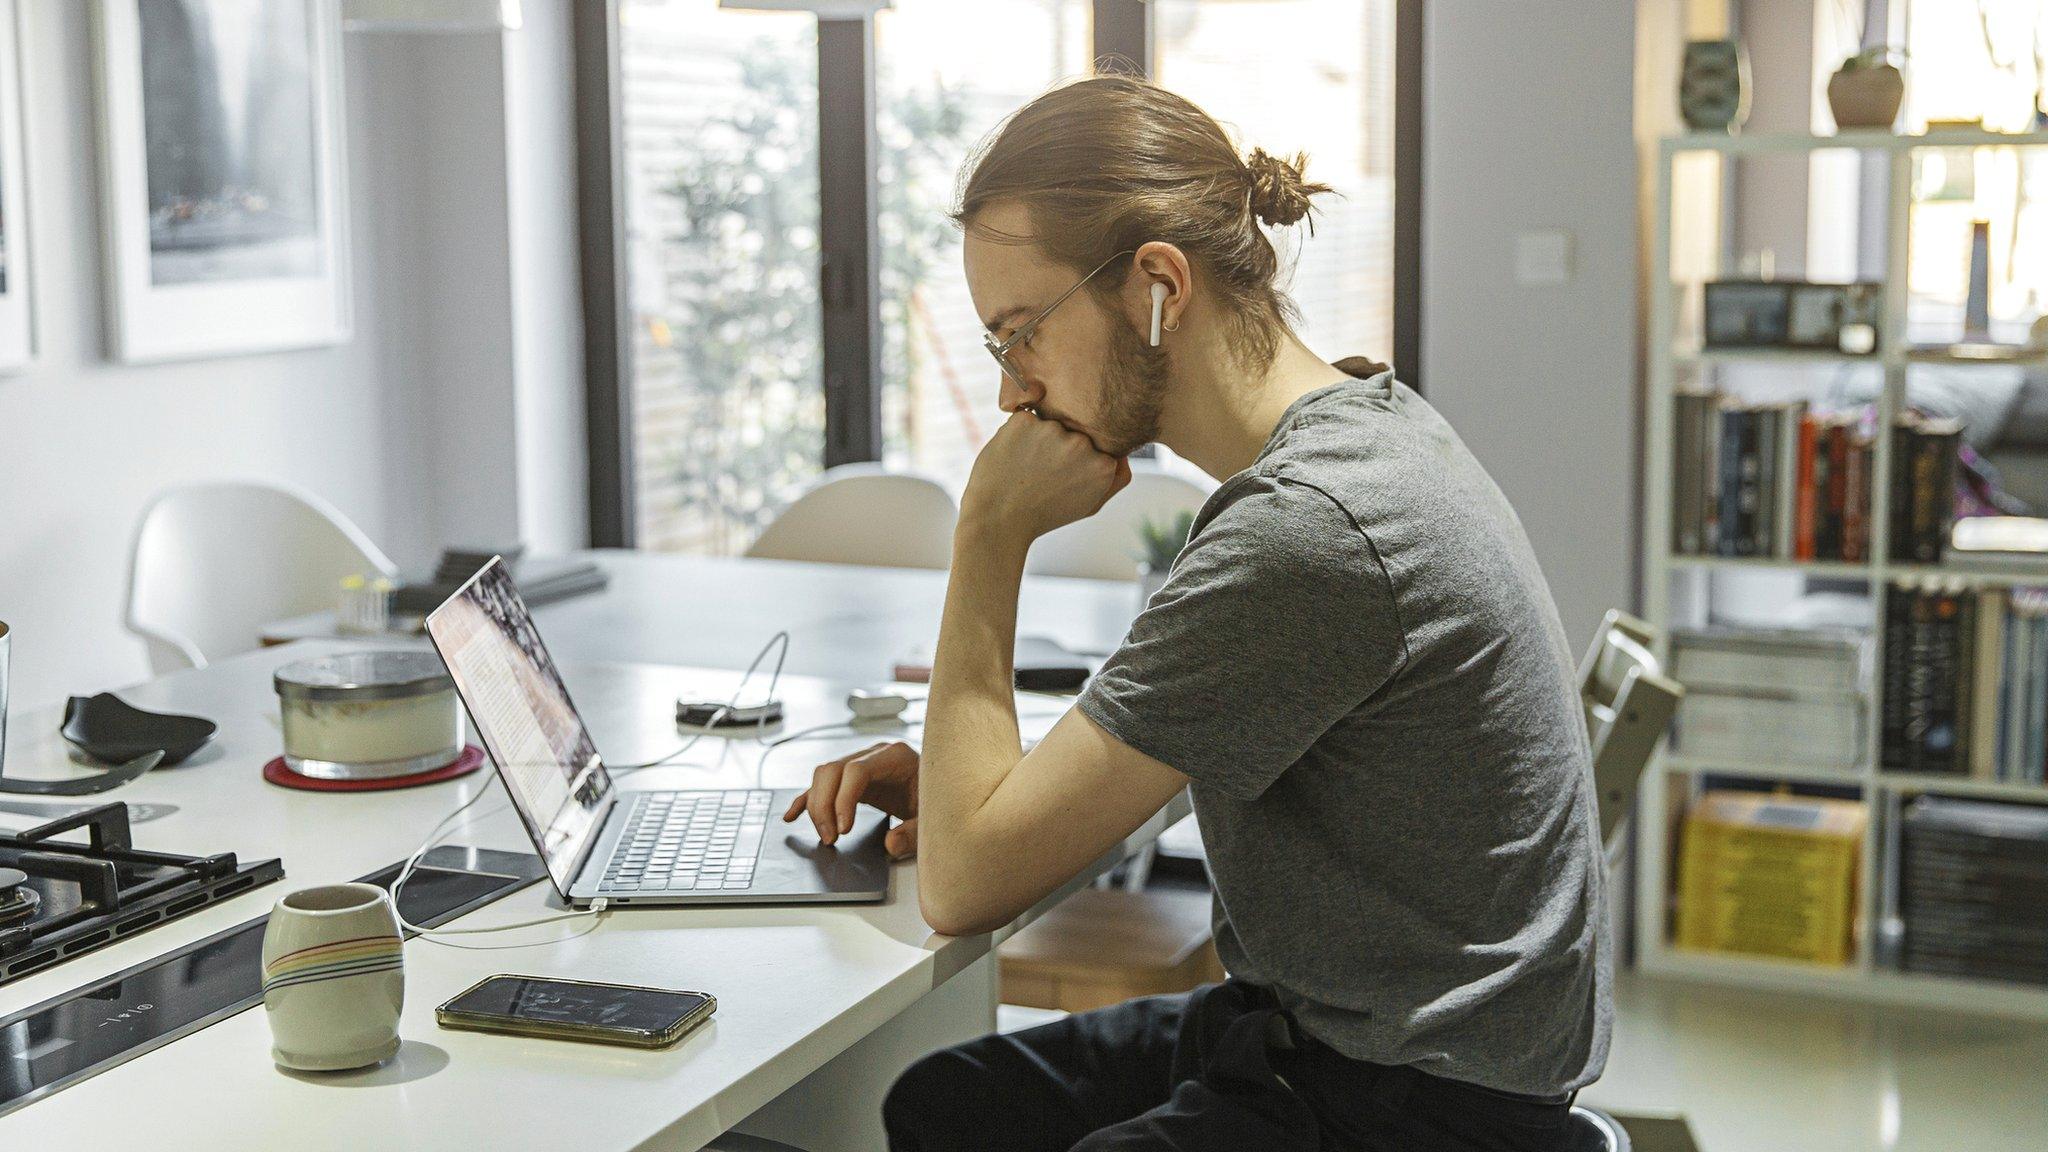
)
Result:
{"points": [[333, 978]]}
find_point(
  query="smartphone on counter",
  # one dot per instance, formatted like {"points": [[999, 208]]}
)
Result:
{"points": [[583, 1010]]}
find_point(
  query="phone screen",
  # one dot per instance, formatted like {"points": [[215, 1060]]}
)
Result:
{"points": [[646, 1010]]}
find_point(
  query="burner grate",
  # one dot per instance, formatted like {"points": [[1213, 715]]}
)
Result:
{"points": [[102, 890]]}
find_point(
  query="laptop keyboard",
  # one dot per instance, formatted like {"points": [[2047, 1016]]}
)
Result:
{"points": [[689, 842]]}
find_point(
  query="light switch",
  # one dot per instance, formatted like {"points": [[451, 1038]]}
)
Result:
{"points": [[1543, 257]]}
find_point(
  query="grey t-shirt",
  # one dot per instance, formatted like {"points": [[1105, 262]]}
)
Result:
{"points": [[1357, 662]]}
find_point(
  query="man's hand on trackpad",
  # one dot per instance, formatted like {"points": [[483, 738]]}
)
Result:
{"points": [[883, 776]]}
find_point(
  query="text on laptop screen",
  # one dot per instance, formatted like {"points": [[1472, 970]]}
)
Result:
{"points": [[522, 710]]}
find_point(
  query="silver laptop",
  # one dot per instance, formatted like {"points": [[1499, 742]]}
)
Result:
{"points": [[724, 846]]}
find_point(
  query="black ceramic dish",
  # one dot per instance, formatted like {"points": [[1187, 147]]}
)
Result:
{"points": [[110, 730]]}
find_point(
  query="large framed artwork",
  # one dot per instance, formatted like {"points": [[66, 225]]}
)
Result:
{"points": [[221, 152], [17, 320]]}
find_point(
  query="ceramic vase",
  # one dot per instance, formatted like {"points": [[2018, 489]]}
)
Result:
{"points": [[1866, 97], [1713, 87], [333, 978]]}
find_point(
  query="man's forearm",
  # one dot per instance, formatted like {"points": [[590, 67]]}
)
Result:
{"points": [[971, 741]]}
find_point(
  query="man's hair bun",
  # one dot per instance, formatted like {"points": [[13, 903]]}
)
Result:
{"points": [[1279, 196]]}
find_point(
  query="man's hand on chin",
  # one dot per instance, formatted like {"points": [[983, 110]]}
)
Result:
{"points": [[1034, 475]]}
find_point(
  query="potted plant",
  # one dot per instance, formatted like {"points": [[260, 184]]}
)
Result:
{"points": [[1867, 90], [1163, 540]]}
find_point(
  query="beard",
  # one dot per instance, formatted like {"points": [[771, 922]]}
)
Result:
{"points": [[1133, 393]]}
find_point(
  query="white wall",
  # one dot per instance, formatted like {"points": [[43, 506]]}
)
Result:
{"points": [[1528, 126], [454, 415], [84, 443]]}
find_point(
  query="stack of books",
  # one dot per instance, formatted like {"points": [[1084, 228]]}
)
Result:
{"points": [[1764, 697], [1783, 482], [1923, 487], [1973, 889], [1770, 876], [1745, 479], [1964, 681]]}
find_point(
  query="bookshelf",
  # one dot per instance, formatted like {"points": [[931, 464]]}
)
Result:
{"points": [[1673, 779]]}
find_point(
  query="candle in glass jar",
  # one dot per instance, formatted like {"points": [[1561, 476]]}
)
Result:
{"points": [[368, 715]]}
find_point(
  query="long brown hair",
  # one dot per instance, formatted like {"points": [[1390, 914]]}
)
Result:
{"points": [[1107, 164]]}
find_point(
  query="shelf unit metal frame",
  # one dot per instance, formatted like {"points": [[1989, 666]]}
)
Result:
{"points": [[1656, 871]]}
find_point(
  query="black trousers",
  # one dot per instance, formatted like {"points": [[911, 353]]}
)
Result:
{"points": [[1217, 1068]]}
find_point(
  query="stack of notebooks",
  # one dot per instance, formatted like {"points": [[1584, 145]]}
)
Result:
{"points": [[1770, 876], [1973, 889], [1780, 481], [1759, 698], [539, 580], [1964, 681]]}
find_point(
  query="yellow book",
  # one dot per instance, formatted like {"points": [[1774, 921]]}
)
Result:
{"points": [[1771, 876]]}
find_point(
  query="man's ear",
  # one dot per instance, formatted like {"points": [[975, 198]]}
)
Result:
{"points": [[1158, 262]]}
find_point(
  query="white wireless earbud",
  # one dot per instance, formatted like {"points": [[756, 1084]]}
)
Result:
{"points": [[1158, 310]]}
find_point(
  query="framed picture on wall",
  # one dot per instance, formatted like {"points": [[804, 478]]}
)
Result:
{"points": [[225, 227], [17, 319]]}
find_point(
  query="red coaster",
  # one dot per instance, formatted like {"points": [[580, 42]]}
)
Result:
{"points": [[471, 759]]}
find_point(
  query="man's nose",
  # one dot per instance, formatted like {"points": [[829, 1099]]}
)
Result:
{"points": [[1014, 397]]}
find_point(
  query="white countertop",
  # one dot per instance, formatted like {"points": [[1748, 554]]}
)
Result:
{"points": [[796, 985]]}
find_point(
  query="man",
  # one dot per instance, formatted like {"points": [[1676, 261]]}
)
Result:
{"points": [[1355, 665]]}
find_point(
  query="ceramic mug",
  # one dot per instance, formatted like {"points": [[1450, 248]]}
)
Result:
{"points": [[333, 978]]}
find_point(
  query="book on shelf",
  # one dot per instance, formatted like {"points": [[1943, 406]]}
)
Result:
{"points": [[1762, 728], [1688, 521], [1986, 669], [1856, 461], [1963, 682], [1826, 662], [1781, 481], [1923, 483], [1737, 508], [1973, 889], [1770, 875], [1763, 461], [2016, 539], [1768, 480]]}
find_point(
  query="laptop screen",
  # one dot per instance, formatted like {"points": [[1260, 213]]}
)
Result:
{"points": [[521, 709]]}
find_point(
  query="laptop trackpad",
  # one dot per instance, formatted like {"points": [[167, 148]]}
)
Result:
{"points": [[856, 868]]}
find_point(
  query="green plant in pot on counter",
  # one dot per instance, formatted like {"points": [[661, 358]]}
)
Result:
{"points": [[1868, 89], [1162, 540]]}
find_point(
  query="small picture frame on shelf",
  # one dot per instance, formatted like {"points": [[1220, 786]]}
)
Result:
{"points": [[1815, 316], [1747, 313], [1793, 314]]}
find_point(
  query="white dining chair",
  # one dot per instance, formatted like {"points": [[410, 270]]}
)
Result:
{"points": [[1107, 545], [865, 514], [214, 562]]}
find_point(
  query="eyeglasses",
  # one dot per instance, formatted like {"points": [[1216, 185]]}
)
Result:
{"points": [[1001, 349]]}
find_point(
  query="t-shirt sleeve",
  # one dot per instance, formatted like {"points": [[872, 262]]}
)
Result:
{"points": [[1277, 621]]}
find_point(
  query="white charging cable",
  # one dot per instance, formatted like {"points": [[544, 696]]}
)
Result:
{"points": [[725, 709], [598, 907], [441, 830]]}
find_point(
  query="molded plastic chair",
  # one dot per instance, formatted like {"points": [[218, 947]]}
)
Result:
{"points": [[865, 514], [1106, 546], [215, 562], [1629, 703]]}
